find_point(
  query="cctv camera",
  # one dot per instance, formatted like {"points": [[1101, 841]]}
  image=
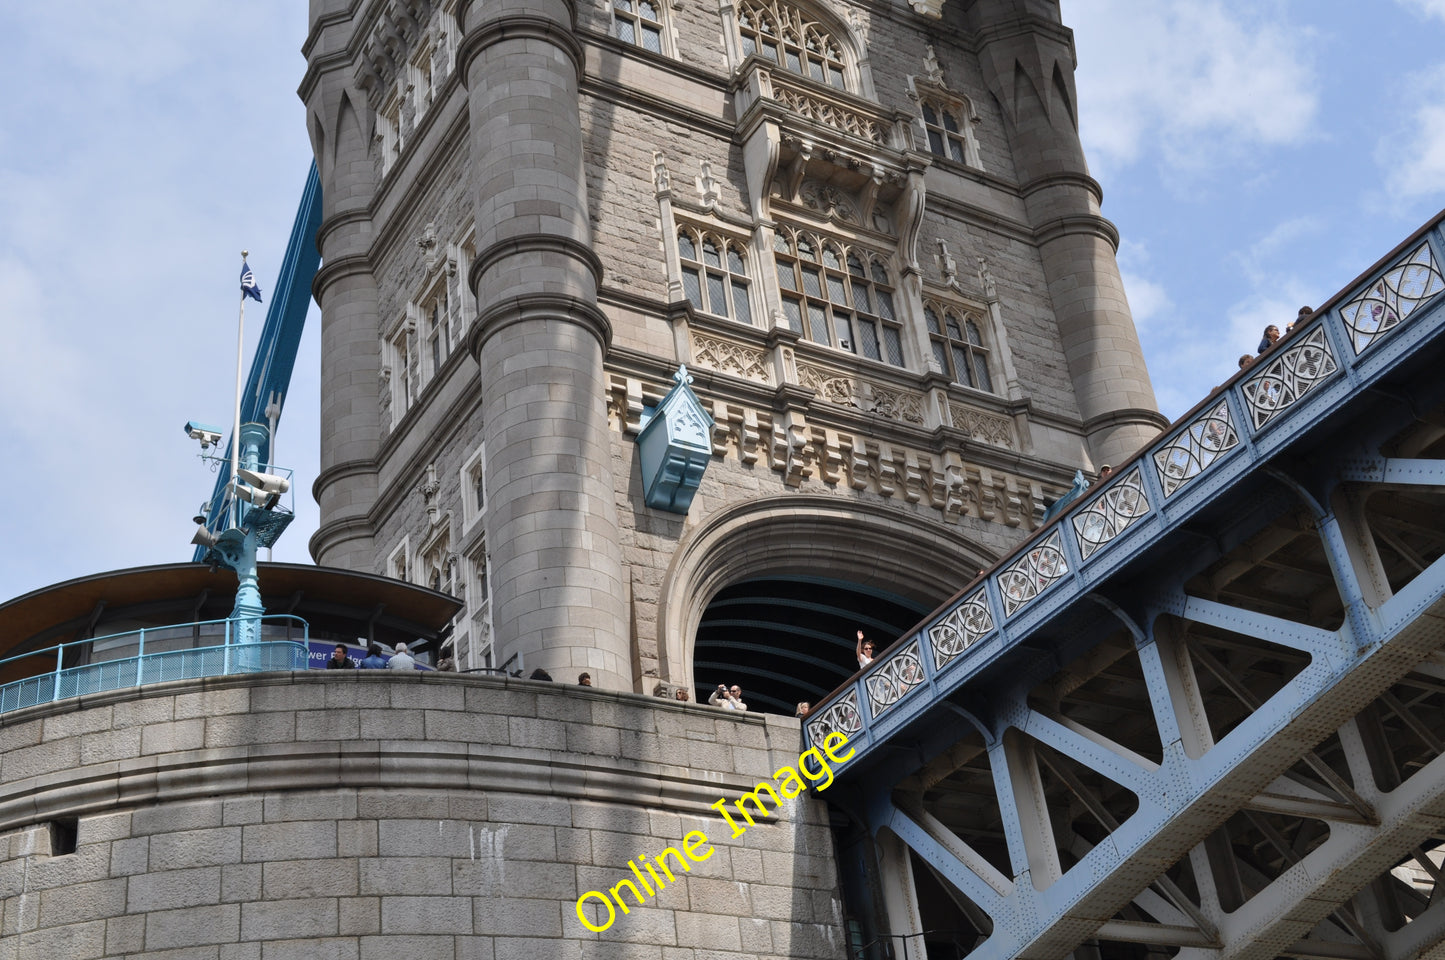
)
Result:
{"points": [[208, 435], [267, 483]]}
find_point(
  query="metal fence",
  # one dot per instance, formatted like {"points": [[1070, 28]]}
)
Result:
{"points": [[224, 658]]}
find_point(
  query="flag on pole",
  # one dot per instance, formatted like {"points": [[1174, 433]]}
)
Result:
{"points": [[248, 283]]}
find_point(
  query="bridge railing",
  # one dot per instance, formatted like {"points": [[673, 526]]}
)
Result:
{"points": [[283, 647], [1333, 353]]}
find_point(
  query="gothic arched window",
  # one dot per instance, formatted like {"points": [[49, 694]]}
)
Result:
{"points": [[946, 126], [838, 296], [781, 33], [958, 345], [639, 22], [714, 274]]}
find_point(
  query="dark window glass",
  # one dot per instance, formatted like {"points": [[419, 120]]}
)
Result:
{"points": [[868, 338], [894, 342], [740, 302], [794, 312], [692, 286]]}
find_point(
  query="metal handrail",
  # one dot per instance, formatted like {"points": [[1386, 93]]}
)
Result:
{"points": [[222, 659], [882, 947]]}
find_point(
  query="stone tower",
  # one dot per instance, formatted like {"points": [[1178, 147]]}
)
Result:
{"points": [[866, 228]]}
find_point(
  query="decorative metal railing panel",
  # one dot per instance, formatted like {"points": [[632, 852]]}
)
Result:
{"points": [[843, 716], [1392, 298], [1196, 449], [965, 625], [1110, 513], [1288, 377], [894, 679], [1022, 581], [191, 663]]}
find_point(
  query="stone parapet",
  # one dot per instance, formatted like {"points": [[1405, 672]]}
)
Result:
{"points": [[366, 814]]}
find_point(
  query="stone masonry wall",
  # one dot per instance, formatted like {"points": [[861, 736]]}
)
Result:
{"points": [[349, 816]]}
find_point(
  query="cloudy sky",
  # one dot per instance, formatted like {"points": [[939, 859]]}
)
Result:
{"points": [[1255, 155]]}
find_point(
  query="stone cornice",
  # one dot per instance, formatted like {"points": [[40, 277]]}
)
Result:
{"points": [[539, 306], [336, 221], [1066, 179], [340, 471], [340, 530], [1126, 416], [337, 269], [249, 769], [494, 253], [519, 26], [1083, 223]]}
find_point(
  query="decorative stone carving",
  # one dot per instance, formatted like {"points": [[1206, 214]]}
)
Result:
{"points": [[828, 200], [730, 357], [429, 247], [946, 264], [830, 386], [800, 450], [985, 427], [829, 114], [985, 279], [708, 187], [897, 405], [932, 71], [429, 489], [661, 177]]}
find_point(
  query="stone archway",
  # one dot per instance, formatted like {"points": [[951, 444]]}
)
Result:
{"points": [[865, 545]]}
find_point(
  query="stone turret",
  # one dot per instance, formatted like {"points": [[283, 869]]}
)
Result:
{"points": [[539, 340], [1027, 59], [339, 123]]}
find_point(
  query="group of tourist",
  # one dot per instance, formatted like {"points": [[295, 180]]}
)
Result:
{"points": [[1272, 336], [731, 697], [400, 660]]}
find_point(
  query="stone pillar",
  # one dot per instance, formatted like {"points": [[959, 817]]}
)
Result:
{"points": [[539, 340], [344, 287], [1027, 59]]}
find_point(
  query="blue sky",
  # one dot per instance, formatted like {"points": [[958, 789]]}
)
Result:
{"points": [[1256, 157]]}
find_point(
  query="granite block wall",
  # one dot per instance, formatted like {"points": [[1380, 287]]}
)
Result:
{"points": [[375, 815]]}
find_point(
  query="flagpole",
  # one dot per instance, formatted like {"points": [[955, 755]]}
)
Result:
{"points": [[236, 422]]}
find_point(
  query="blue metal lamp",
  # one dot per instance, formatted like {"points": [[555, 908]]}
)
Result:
{"points": [[676, 445]]}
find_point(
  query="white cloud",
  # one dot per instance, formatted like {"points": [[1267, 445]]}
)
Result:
{"points": [[1430, 8], [1414, 156], [1148, 300], [1201, 78]]}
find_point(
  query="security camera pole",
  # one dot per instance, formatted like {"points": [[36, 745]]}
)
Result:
{"points": [[248, 289], [248, 529]]}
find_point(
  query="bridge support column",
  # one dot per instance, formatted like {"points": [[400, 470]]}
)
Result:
{"points": [[900, 896]]}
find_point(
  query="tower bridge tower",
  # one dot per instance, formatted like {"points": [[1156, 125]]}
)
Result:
{"points": [[867, 230]]}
